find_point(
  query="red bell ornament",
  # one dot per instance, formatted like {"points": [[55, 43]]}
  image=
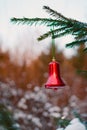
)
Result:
{"points": [[54, 80]]}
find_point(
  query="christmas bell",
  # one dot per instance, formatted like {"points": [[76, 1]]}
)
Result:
{"points": [[54, 80]]}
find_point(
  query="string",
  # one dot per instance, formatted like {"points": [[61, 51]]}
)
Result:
{"points": [[53, 45]]}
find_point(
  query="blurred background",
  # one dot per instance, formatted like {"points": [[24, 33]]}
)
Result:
{"points": [[24, 67]]}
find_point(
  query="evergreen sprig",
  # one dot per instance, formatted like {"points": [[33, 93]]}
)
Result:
{"points": [[54, 13], [77, 43], [62, 26], [33, 21]]}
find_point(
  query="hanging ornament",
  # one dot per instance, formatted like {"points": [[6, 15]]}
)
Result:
{"points": [[54, 80]]}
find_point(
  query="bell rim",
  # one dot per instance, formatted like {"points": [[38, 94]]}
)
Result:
{"points": [[54, 86]]}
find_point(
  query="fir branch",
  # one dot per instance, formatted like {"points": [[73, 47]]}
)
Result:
{"points": [[33, 21], [58, 23], [77, 27], [79, 24], [40, 21], [76, 43], [54, 13], [49, 33], [64, 32], [63, 24], [80, 34]]}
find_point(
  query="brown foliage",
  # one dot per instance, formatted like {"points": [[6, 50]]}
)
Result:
{"points": [[27, 76]]}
